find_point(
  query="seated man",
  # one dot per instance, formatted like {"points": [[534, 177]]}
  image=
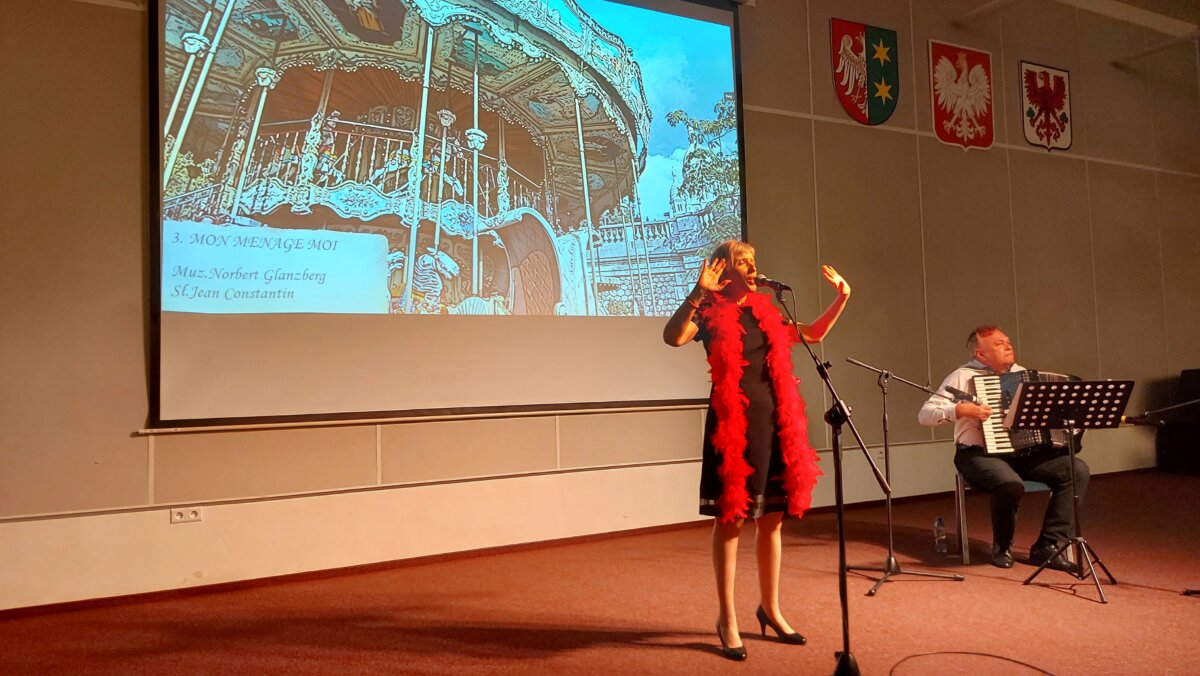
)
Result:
{"points": [[1002, 474]]}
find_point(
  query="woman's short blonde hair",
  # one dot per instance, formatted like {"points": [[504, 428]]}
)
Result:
{"points": [[730, 248]]}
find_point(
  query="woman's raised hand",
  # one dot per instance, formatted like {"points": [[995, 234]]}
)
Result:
{"points": [[710, 275], [839, 282]]}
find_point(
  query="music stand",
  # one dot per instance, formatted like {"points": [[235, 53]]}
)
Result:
{"points": [[1071, 406]]}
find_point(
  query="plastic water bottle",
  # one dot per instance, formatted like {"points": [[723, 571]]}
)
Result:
{"points": [[939, 535]]}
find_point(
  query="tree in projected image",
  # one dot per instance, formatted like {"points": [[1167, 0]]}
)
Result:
{"points": [[711, 170]]}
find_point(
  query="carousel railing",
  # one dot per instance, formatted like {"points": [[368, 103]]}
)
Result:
{"points": [[382, 156], [191, 205]]}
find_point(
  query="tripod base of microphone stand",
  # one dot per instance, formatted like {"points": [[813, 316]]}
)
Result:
{"points": [[1085, 555], [846, 666], [892, 567]]}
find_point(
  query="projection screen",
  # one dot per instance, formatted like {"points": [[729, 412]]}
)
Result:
{"points": [[420, 206]]}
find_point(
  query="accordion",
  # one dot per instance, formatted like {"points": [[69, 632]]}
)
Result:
{"points": [[997, 391]]}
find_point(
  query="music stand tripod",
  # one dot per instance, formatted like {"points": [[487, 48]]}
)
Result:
{"points": [[1072, 406], [890, 565]]}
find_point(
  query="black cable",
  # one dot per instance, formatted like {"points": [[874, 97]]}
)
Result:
{"points": [[967, 652]]}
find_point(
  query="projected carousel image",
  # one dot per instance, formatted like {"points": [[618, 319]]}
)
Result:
{"points": [[436, 157]]}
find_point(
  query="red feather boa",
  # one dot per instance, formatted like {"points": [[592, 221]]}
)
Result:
{"points": [[726, 362]]}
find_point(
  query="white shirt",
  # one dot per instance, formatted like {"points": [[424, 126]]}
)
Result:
{"points": [[938, 410]]}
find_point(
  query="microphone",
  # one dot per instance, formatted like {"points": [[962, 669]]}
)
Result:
{"points": [[763, 280], [1141, 420], [959, 395]]}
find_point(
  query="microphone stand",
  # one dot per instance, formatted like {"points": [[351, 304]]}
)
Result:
{"points": [[837, 416], [1155, 418], [891, 566]]}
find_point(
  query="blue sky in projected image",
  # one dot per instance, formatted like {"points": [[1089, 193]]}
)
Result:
{"points": [[686, 64]]}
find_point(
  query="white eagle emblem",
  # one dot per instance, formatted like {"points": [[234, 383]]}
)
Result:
{"points": [[852, 67], [965, 95]]}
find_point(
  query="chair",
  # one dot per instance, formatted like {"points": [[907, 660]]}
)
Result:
{"points": [[960, 511], [960, 485]]}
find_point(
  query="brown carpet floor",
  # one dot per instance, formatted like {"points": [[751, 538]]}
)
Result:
{"points": [[645, 604]]}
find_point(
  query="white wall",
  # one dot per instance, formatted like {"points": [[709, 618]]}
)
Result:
{"points": [[54, 560]]}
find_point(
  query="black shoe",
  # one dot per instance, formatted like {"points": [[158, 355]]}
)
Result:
{"points": [[1044, 554], [764, 622], [1002, 557], [737, 654]]}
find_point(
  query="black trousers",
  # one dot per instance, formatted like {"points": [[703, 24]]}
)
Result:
{"points": [[1002, 474]]}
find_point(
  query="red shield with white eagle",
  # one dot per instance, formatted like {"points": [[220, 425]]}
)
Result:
{"points": [[1046, 93], [961, 89]]}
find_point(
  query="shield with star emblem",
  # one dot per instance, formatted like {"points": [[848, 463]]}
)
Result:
{"points": [[1046, 92], [866, 75]]}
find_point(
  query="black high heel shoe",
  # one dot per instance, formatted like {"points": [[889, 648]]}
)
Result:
{"points": [[737, 654], [764, 621]]}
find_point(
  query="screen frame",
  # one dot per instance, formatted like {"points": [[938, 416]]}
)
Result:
{"points": [[153, 256]]}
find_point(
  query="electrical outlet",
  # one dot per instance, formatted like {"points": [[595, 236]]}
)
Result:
{"points": [[186, 514]]}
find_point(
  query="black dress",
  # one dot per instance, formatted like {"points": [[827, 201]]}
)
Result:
{"points": [[763, 451]]}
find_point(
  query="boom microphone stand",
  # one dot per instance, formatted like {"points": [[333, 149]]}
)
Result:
{"points": [[1157, 419], [837, 416], [890, 565]]}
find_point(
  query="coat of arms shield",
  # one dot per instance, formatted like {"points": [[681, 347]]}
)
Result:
{"points": [[1046, 93], [866, 75], [961, 89]]}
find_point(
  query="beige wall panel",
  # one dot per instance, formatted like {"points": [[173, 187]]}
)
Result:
{"points": [[1179, 218], [917, 469], [104, 555], [1056, 296], [1042, 33], [869, 228], [197, 467], [892, 16], [1112, 109], [87, 557], [1175, 102], [620, 438], [968, 251], [920, 469], [71, 256], [1183, 10], [780, 200], [775, 69], [436, 451], [1118, 450], [932, 19], [1129, 278]]}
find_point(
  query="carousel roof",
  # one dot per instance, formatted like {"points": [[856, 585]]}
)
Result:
{"points": [[539, 62]]}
